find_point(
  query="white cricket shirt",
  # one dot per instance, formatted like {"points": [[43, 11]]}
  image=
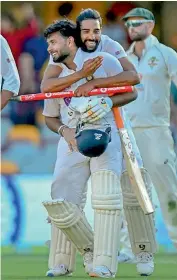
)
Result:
{"points": [[157, 68], [55, 107], [9, 74]]}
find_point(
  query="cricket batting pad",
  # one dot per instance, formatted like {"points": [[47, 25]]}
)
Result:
{"points": [[107, 204], [70, 219], [141, 227], [62, 251]]}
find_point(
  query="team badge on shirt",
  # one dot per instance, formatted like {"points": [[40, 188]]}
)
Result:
{"points": [[153, 61], [9, 60]]}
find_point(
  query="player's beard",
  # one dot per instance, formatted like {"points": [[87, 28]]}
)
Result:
{"points": [[138, 37], [60, 58], [85, 48]]}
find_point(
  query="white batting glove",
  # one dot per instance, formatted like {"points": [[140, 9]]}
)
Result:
{"points": [[96, 109]]}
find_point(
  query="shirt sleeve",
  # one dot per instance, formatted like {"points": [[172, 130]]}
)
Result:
{"points": [[9, 72], [51, 108], [172, 65], [111, 65], [115, 49]]}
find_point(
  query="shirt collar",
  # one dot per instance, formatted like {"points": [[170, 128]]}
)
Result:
{"points": [[149, 42], [77, 56]]}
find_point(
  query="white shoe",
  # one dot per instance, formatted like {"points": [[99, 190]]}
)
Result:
{"points": [[145, 263], [88, 261], [60, 270], [101, 271], [124, 258]]}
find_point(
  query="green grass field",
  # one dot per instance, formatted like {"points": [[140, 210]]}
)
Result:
{"points": [[34, 266]]}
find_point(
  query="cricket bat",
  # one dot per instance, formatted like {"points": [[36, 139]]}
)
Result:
{"points": [[133, 169]]}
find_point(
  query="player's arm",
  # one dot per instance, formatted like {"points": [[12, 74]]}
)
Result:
{"points": [[51, 113], [122, 79], [51, 81], [53, 121], [126, 64], [115, 77], [123, 99], [172, 65], [5, 97], [10, 78], [114, 70], [128, 77]]}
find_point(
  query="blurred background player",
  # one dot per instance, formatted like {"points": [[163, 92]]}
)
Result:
{"points": [[23, 29], [10, 81], [150, 113]]}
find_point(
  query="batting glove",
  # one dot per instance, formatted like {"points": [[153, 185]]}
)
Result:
{"points": [[96, 109]]}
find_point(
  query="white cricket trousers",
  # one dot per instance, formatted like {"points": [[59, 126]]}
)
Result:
{"points": [[72, 169], [157, 150]]}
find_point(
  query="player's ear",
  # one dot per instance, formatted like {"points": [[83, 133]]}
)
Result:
{"points": [[71, 41], [151, 26]]}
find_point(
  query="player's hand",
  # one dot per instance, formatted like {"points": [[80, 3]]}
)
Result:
{"points": [[96, 109], [90, 66], [69, 136], [84, 89]]}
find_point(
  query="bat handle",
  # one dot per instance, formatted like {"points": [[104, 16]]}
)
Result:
{"points": [[15, 98], [118, 117]]}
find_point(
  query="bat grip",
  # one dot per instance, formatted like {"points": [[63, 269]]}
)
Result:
{"points": [[118, 117]]}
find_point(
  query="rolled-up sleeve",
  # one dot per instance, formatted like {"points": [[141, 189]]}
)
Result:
{"points": [[51, 108], [9, 72]]}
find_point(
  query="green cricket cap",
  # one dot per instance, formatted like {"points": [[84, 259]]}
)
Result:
{"points": [[139, 12]]}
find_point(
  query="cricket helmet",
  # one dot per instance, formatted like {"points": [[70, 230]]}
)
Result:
{"points": [[92, 142]]}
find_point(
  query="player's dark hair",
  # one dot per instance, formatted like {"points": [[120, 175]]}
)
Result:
{"points": [[88, 14], [66, 28]]}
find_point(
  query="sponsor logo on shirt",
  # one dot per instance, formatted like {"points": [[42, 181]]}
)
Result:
{"points": [[67, 100], [118, 52], [152, 62]]}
